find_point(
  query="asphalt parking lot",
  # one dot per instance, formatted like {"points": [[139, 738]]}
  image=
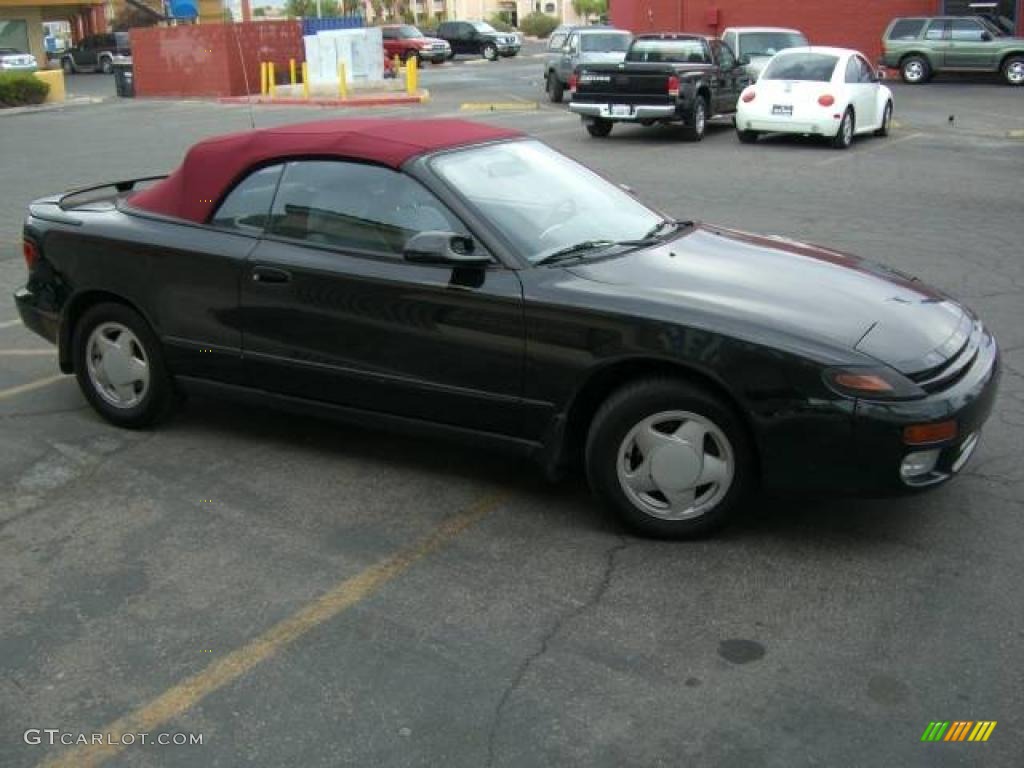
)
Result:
{"points": [[304, 593]]}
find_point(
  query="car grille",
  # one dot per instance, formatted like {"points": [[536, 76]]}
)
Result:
{"points": [[955, 367]]}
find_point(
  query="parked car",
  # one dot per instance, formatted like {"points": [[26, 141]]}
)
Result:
{"points": [[818, 91], [407, 41], [478, 38], [570, 47], [666, 78], [97, 53], [758, 44], [923, 46], [13, 60], [465, 279]]}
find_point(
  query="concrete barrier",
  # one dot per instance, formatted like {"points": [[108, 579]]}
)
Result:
{"points": [[55, 79]]}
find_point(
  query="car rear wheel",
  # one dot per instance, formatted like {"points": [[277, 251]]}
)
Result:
{"points": [[886, 126], [844, 136], [490, 52], [1013, 70], [669, 458], [411, 54], [696, 121], [68, 65], [746, 137], [554, 88], [599, 128], [120, 367], [915, 70]]}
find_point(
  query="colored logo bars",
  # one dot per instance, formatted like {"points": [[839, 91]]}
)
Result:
{"points": [[958, 730]]}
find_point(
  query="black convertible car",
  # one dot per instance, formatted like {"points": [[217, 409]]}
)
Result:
{"points": [[468, 279]]}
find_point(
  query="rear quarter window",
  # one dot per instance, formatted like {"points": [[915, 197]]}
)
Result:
{"points": [[906, 29]]}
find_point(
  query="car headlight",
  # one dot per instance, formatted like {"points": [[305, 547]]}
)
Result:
{"points": [[871, 383]]}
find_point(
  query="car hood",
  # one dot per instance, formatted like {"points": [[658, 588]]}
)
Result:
{"points": [[777, 287]]}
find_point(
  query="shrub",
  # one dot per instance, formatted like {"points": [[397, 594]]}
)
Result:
{"points": [[20, 88], [499, 23], [538, 24]]}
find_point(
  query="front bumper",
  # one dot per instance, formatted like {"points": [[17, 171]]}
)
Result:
{"points": [[36, 318], [508, 49], [638, 111], [23, 68]]}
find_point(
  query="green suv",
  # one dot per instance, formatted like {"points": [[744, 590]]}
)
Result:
{"points": [[919, 47]]}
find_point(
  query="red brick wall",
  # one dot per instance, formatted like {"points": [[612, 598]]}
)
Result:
{"points": [[855, 24], [204, 60]]}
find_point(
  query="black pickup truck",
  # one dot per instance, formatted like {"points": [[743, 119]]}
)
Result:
{"points": [[665, 78]]}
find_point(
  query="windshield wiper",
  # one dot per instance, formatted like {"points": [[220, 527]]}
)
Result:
{"points": [[652, 233], [576, 250]]}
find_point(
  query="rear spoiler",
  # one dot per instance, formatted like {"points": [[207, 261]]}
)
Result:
{"points": [[119, 187]]}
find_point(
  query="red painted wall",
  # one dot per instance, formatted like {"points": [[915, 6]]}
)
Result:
{"points": [[855, 24], [204, 60]]}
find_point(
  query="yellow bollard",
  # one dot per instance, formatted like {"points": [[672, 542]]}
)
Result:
{"points": [[263, 78], [291, 70], [411, 76], [342, 81], [271, 78], [305, 80]]}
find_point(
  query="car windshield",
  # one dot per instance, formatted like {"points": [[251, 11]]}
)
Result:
{"points": [[816, 67], [673, 51], [409, 32], [992, 26], [604, 43], [769, 43], [483, 26], [540, 200]]}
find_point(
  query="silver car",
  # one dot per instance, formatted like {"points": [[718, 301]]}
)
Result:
{"points": [[569, 47], [759, 44], [13, 60]]}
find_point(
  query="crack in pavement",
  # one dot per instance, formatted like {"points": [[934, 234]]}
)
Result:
{"points": [[516, 682]]}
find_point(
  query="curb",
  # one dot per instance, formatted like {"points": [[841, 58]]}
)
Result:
{"points": [[79, 101], [371, 101]]}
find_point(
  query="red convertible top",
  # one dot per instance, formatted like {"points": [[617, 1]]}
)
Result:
{"points": [[214, 165]]}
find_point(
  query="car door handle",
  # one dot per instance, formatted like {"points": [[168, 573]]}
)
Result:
{"points": [[270, 275]]}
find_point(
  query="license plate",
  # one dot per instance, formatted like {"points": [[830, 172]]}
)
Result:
{"points": [[621, 110], [783, 109]]}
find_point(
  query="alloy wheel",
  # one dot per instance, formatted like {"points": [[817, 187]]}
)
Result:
{"points": [[1015, 72], [676, 465], [117, 365], [913, 71]]}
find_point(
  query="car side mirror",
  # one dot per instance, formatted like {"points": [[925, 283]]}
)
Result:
{"points": [[448, 248], [742, 61], [880, 73]]}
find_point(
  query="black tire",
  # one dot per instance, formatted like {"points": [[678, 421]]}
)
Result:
{"points": [[883, 129], [629, 407], [747, 137], [599, 128], [1013, 70], [489, 52], [451, 56], [844, 136], [915, 70], [106, 65], [696, 120], [555, 89], [159, 396], [68, 65]]}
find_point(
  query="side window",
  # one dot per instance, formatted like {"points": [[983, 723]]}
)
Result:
{"points": [[574, 43], [852, 70], [729, 38], [389, 34], [867, 75], [906, 29], [466, 31], [936, 30], [965, 30], [556, 42], [246, 207], [355, 206], [725, 58]]}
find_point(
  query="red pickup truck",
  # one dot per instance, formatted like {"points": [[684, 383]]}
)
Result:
{"points": [[406, 41]]}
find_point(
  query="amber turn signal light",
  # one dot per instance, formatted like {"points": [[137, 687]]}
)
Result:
{"points": [[926, 434], [863, 382]]}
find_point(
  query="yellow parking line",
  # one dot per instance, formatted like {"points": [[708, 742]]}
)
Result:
{"points": [[10, 323], [498, 106], [30, 387], [27, 352], [180, 698]]}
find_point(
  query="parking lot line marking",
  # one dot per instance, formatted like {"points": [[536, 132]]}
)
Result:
{"points": [[870, 150], [180, 698], [30, 387], [10, 323], [27, 352]]}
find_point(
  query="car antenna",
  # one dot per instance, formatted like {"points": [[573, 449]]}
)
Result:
{"points": [[245, 73]]}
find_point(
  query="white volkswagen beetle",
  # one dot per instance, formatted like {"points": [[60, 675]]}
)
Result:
{"points": [[817, 91]]}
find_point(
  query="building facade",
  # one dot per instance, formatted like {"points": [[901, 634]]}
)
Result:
{"points": [[847, 23]]}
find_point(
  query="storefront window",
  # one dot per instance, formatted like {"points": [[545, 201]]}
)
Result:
{"points": [[14, 34]]}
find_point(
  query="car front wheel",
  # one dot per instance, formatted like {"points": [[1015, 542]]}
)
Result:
{"points": [[1013, 70], [120, 366], [67, 65], [669, 458], [106, 65], [554, 89], [490, 52], [915, 70]]}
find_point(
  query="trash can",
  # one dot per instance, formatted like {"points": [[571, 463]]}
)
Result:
{"points": [[124, 80]]}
